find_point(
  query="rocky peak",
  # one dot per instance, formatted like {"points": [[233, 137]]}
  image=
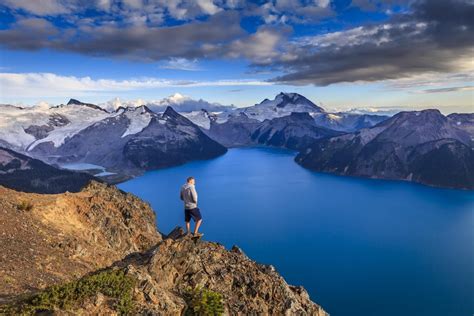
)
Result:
{"points": [[90, 105], [180, 262], [171, 113], [286, 99]]}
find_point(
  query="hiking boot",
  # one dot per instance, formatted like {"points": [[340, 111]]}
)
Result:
{"points": [[198, 235]]}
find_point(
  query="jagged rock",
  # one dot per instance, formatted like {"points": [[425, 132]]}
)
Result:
{"points": [[247, 287], [175, 233]]}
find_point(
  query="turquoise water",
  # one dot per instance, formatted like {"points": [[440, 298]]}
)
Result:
{"points": [[359, 246]]}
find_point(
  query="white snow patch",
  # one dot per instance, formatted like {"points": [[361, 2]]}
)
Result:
{"points": [[80, 118], [139, 119], [199, 118]]}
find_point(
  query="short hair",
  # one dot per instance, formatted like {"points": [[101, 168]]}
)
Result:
{"points": [[189, 179]]}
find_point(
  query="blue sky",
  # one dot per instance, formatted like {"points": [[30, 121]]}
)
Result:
{"points": [[341, 54]]}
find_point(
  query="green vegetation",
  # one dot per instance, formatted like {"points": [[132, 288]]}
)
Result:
{"points": [[203, 302], [111, 283], [25, 206]]}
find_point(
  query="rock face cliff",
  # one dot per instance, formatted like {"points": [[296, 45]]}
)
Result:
{"points": [[101, 241], [424, 146]]}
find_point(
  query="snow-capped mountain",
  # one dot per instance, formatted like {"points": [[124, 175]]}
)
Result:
{"points": [[25, 128], [283, 105], [80, 133]]}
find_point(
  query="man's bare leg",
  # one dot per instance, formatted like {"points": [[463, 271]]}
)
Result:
{"points": [[196, 228], [188, 227]]}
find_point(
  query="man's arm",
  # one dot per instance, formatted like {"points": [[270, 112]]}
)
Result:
{"points": [[181, 194], [194, 194]]}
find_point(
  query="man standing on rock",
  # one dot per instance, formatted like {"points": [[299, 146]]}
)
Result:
{"points": [[189, 195]]}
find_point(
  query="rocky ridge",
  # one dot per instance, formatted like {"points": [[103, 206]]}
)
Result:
{"points": [[52, 239]]}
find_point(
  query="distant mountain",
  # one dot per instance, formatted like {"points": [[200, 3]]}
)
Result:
{"points": [[82, 133], [23, 129], [242, 120], [296, 131], [423, 146], [170, 140], [464, 121], [22, 173], [347, 122], [283, 105]]}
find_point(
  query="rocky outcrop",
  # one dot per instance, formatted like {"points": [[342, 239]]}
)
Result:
{"points": [[48, 239], [52, 239], [26, 174], [248, 288], [423, 146], [296, 131]]}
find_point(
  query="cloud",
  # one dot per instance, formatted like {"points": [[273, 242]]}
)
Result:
{"points": [[450, 89], [435, 37], [181, 64], [40, 7], [373, 5], [28, 34], [183, 103], [262, 47], [52, 85]]}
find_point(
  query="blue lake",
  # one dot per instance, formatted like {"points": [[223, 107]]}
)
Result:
{"points": [[359, 246]]}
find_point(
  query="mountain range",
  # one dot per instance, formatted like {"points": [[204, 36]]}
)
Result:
{"points": [[421, 146], [126, 141]]}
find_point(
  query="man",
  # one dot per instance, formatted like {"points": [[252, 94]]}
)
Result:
{"points": [[189, 195]]}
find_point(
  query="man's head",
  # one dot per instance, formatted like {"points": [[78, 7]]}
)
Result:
{"points": [[190, 180]]}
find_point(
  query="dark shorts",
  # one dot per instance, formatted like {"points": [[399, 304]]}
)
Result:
{"points": [[194, 213]]}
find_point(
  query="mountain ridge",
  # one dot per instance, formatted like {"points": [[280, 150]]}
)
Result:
{"points": [[423, 146]]}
